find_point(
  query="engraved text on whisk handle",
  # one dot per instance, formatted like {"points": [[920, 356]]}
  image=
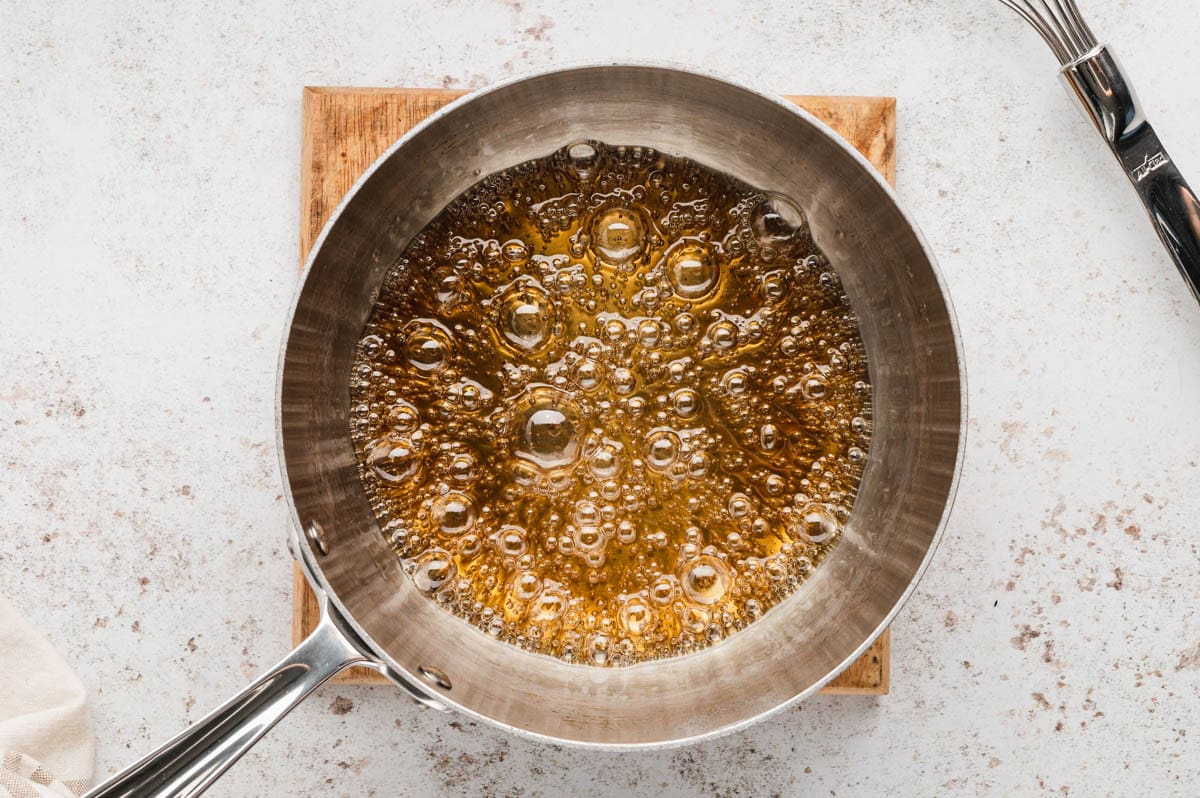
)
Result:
{"points": [[1173, 207], [1149, 165]]}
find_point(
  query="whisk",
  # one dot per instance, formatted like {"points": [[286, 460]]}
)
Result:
{"points": [[1094, 76]]}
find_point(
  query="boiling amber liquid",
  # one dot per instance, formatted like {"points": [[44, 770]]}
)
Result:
{"points": [[611, 405]]}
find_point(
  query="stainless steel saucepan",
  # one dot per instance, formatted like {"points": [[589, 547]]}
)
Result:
{"points": [[372, 614]]}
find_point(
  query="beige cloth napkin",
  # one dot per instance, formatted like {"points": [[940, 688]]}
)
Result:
{"points": [[46, 744]]}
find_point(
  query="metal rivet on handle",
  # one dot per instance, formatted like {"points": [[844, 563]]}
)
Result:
{"points": [[434, 677], [316, 535]]}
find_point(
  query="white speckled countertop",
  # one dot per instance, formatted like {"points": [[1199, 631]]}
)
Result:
{"points": [[148, 239]]}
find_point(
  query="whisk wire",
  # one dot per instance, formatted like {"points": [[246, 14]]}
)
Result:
{"points": [[1090, 40], [1060, 24], [1036, 24], [1065, 22]]}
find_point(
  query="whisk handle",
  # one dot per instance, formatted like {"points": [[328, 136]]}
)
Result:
{"points": [[1172, 205], [1110, 102]]}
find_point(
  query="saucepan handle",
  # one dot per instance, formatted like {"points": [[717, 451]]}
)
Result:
{"points": [[191, 762]]}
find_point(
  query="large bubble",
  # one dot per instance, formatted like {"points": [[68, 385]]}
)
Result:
{"points": [[693, 270], [526, 316], [618, 235], [548, 429]]}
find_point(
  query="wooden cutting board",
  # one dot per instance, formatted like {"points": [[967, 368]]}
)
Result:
{"points": [[346, 129]]}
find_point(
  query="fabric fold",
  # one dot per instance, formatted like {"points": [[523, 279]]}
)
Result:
{"points": [[46, 743]]}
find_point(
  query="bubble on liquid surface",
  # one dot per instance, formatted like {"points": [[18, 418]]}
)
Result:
{"points": [[735, 382], [636, 616], [394, 458], [813, 386], [548, 426], [428, 347], [511, 540], [403, 416], [433, 569], [452, 289], [526, 316], [588, 539], [515, 251], [605, 462], [662, 449], [371, 345], [770, 437], [694, 618], [582, 159], [693, 271], [623, 381], [704, 580], [548, 606], [463, 467], [587, 513], [818, 524], [526, 585], [739, 506], [777, 223], [686, 403], [664, 590], [614, 330], [598, 647], [454, 513], [618, 235], [587, 374], [470, 395], [774, 286], [649, 333], [723, 335]]}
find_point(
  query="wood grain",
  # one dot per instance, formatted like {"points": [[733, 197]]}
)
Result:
{"points": [[346, 129]]}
